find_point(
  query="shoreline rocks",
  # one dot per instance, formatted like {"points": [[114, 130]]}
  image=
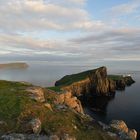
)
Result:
{"points": [[123, 129]]}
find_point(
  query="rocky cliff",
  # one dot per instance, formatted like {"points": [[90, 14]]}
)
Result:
{"points": [[95, 82]]}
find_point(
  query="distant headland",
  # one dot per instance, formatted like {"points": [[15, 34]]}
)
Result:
{"points": [[16, 65]]}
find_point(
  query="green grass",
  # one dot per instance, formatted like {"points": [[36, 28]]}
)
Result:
{"points": [[69, 79], [56, 89], [115, 77], [13, 99]]}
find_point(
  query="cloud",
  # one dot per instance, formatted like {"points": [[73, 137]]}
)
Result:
{"points": [[32, 46], [115, 44], [112, 44], [36, 29], [39, 15], [125, 9]]}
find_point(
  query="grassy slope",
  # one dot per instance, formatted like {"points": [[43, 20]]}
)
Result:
{"points": [[16, 108]]}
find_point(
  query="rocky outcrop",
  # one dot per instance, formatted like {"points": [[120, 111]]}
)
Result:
{"points": [[123, 82], [36, 93], [47, 105], [124, 131], [94, 82], [119, 130], [34, 126], [63, 100], [16, 136], [119, 125], [71, 101], [101, 85], [79, 88]]}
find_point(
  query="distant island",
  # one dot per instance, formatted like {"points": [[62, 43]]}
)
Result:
{"points": [[16, 65]]}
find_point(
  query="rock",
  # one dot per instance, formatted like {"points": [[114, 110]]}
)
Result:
{"points": [[123, 131], [62, 107], [104, 126], [48, 106], [60, 99], [112, 134], [101, 85], [71, 101], [96, 83], [54, 137], [13, 137], [36, 137], [112, 86], [67, 137], [35, 125], [36, 93], [3, 126], [3, 123], [128, 80], [120, 84], [123, 82], [132, 134], [119, 125]]}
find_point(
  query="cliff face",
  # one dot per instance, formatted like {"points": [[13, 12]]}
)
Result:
{"points": [[101, 85], [95, 82], [125, 81]]}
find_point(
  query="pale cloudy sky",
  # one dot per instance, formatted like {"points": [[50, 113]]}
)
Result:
{"points": [[70, 31]]}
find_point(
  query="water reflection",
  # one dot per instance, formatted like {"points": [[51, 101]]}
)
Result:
{"points": [[99, 104]]}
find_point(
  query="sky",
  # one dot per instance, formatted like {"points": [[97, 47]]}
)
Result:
{"points": [[70, 31]]}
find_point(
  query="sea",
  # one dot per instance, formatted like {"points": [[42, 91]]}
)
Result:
{"points": [[124, 106]]}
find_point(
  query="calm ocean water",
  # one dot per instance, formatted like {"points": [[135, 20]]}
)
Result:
{"points": [[125, 105]]}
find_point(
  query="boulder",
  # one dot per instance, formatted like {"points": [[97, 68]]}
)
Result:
{"points": [[13, 136], [67, 137], [132, 134], [119, 125], [71, 101], [16, 136], [35, 126], [36, 93], [47, 105], [123, 131], [54, 137]]}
